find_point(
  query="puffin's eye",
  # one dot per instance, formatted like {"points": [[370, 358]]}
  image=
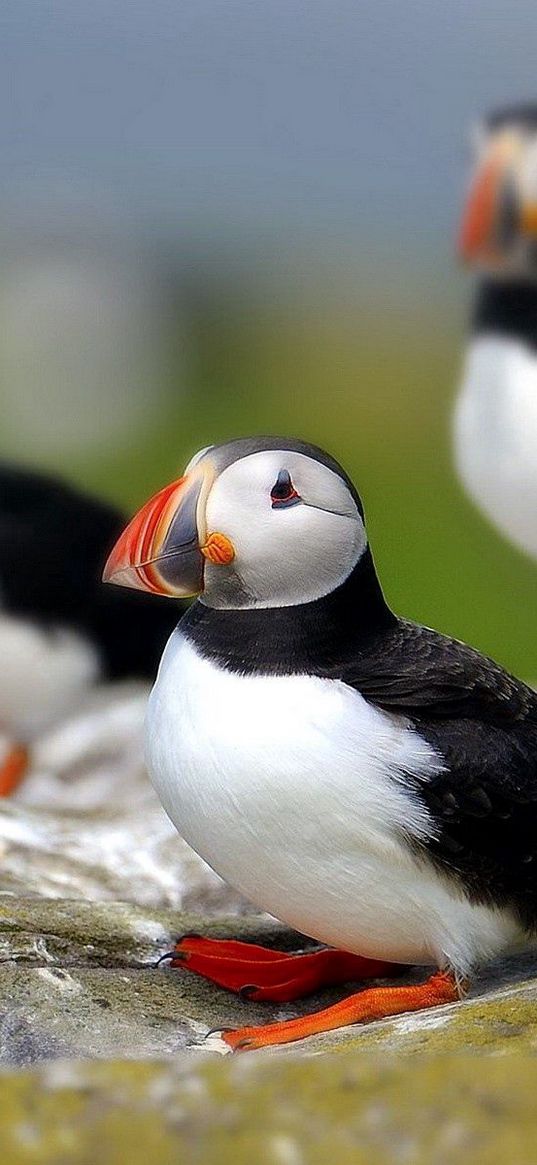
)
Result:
{"points": [[283, 492]]}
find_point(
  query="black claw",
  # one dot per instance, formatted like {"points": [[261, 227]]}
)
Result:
{"points": [[163, 958], [215, 1031], [174, 956], [247, 991]]}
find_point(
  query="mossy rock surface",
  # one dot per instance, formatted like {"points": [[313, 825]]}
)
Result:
{"points": [[103, 1057], [79, 979], [65, 932], [353, 1110]]}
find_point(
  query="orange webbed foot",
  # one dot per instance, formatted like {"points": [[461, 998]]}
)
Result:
{"points": [[373, 1003], [13, 769], [261, 973]]}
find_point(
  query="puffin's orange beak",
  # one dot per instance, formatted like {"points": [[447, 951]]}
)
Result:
{"points": [[161, 548], [480, 235]]}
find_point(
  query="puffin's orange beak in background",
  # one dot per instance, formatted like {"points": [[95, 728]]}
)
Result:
{"points": [[165, 545], [490, 212]]}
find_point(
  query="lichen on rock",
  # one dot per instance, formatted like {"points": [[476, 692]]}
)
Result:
{"points": [[355, 1110]]}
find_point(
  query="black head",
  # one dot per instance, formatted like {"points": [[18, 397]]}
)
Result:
{"points": [[257, 522]]}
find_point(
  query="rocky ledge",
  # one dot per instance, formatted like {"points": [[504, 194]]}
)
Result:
{"points": [[103, 1057], [351, 1110], [78, 979]]}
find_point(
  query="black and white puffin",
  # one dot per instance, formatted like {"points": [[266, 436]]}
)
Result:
{"points": [[60, 629], [495, 423], [369, 781]]}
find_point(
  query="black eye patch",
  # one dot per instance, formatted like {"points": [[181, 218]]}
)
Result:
{"points": [[283, 492]]}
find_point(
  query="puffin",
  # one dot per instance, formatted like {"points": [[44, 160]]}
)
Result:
{"points": [[368, 781], [495, 418], [60, 629]]}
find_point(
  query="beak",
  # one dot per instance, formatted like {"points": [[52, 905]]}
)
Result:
{"points": [[491, 217], [161, 548]]}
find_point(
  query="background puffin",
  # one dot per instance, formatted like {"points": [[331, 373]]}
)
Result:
{"points": [[60, 629], [495, 424], [368, 781]]}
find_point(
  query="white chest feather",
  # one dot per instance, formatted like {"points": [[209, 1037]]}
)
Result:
{"points": [[292, 789], [496, 434], [43, 674]]}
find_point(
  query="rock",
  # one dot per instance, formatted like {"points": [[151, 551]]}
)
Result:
{"points": [[86, 822], [121, 1070], [79, 979], [351, 1110], [64, 933], [50, 1013], [495, 1019]]}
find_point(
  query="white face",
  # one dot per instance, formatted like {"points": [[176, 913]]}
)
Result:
{"points": [[528, 169], [288, 549]]}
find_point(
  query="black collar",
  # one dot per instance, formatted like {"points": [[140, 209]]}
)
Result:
{"points": [[507, 308], [309, 638]]}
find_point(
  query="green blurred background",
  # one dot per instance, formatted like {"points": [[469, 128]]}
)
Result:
{"points": [[235, 219], [381, 401]]}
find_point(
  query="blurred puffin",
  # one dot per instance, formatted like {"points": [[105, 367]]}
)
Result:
{"points": [[496, 411], [60, 629], [367, 780]]}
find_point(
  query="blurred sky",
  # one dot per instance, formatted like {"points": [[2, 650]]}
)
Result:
{"points": [[260, 122]]}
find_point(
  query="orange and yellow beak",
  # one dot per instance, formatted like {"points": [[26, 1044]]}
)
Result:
{"points": [[164, 548], [493, 215]]}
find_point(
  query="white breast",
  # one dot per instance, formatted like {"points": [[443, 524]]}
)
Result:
{"points": [[496, 435], [43, 673], [291, 789]]}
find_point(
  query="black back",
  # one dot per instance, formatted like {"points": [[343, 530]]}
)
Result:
{"points": [[54, 542]]}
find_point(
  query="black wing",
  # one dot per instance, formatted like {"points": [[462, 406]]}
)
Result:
{"points": [[409, 667], [483, 723]]}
